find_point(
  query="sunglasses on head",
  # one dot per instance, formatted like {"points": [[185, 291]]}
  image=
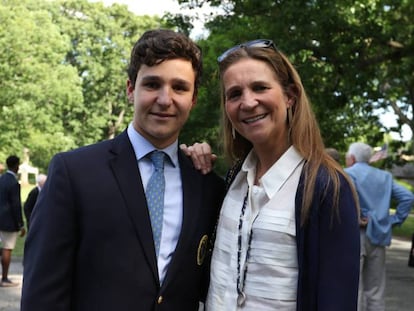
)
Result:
{"points": [[258, 43]]}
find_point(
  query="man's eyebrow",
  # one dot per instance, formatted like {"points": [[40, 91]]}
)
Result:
{"points": [[182, 81], [151, 78]]}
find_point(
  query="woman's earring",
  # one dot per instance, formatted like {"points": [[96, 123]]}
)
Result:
{"points": [[289, 121], [233, 132], [289, 116]]}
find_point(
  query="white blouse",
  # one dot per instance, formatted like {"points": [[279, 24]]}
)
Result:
{"points": [[268, 278]]}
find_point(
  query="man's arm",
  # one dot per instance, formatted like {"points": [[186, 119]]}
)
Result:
{"points": [[16, 206], [50, 245], [405, 200]]}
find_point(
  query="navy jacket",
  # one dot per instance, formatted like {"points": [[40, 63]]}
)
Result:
{"points": [[90, 245], [328, 250], [29, 204], [11, 219]]}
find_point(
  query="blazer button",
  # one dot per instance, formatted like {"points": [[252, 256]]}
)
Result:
{"points": [[160, 298]]}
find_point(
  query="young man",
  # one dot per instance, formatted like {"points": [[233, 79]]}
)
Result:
{"points": [[91, 241], [11, 220]]}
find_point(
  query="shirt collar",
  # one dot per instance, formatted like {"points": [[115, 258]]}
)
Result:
{"points": [[278, 174], [13, 173], [142, 146]]}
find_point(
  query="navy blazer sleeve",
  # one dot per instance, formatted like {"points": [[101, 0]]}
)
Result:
{"points": [[51, 243], [16, 205], [328, 248]]}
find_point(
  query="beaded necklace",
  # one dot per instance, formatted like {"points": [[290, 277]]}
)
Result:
{"points": [[241, 296]]}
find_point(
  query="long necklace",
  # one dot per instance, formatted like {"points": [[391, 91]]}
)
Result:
{"points": [[241, 296]]}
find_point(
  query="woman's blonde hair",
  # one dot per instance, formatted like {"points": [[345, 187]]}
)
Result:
{"points": [[304, 133]]}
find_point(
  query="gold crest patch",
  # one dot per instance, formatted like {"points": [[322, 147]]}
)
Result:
{"points": [[202, 250]]}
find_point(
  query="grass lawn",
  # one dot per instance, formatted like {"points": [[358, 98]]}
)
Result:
{"points": [[407, 228]]}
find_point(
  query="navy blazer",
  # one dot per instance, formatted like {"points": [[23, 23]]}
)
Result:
{"points": [[90, 244], [11, 219]]}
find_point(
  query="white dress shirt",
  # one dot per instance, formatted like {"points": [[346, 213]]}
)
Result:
{"points": [[272, 268]]}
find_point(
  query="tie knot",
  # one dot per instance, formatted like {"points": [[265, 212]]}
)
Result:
{"points": [[157, 158]]}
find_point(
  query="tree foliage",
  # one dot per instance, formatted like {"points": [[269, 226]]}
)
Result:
{"points": [[62, 67], [35, 85], [354, 57]]}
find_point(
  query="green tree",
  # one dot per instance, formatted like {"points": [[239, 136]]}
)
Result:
{"points": [[354, 56], [35, 85]]}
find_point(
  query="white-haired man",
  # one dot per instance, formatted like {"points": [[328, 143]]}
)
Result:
{"points": [[376, 188]]}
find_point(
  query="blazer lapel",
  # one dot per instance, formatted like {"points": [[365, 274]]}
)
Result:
{"points": [[125, 169], [192, 187]]}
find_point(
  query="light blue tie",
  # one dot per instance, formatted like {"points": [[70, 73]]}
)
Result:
{"points": [[155, 196]]}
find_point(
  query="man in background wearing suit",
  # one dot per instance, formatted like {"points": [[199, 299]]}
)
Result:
{"points": [[11, 220], [32, 198], [91, 245]]}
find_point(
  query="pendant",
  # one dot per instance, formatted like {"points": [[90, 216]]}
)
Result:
{"points": [[241, 298]]}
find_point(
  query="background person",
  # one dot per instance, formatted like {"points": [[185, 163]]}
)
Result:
{"points": [[376, 188], [411, 254], [288, 235], [94, 202], [334, 154], [32, 197], [11, 220]]}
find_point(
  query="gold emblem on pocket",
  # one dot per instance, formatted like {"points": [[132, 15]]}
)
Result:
{"points": [[202, 250]]}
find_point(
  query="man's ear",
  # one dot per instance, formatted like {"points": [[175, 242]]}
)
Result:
{"points": [[353, 159], [349, 160], [130, 91]]}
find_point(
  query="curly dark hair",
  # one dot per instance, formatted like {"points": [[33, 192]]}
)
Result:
{"points": [[158, 45], [12, 162]]}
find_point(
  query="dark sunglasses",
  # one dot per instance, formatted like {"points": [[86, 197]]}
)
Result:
{"points": [[258, 43]]}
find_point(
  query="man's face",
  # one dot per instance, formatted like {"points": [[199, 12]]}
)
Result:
{"points": [[163, 98]]}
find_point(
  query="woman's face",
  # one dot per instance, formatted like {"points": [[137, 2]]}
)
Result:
{"points": [[255, 102]]}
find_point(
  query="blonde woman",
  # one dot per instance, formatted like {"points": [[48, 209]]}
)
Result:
{"points": [[288, 233]]}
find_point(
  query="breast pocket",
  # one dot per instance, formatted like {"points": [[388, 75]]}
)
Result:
{"points": [[276, 220], [274, 239]]}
